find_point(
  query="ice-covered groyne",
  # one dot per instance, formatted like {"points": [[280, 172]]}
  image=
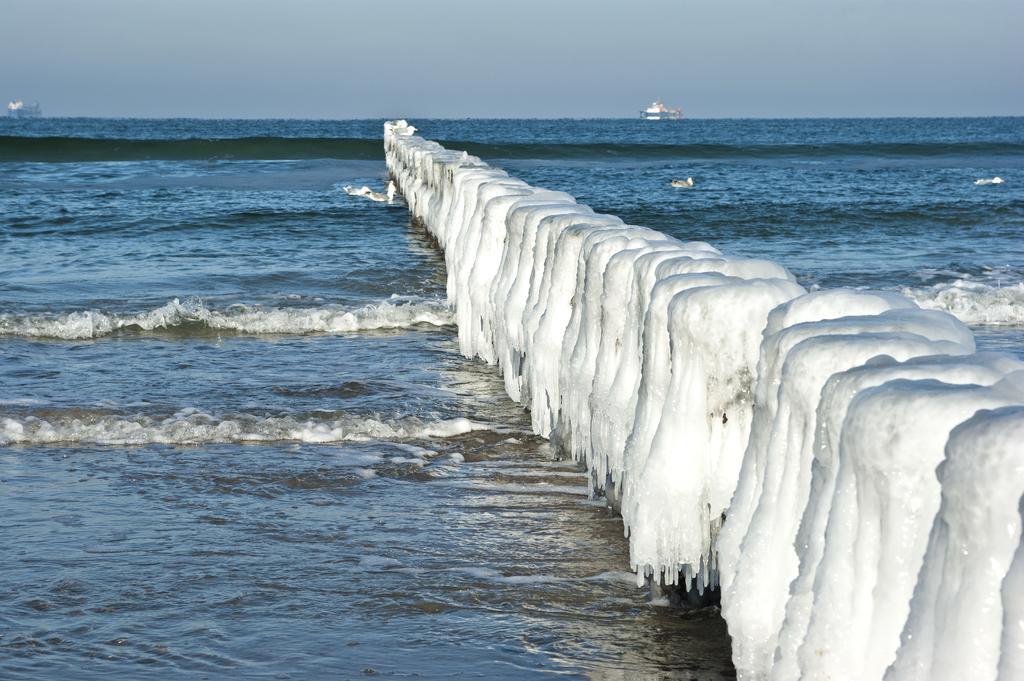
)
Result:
{"points": [[777, 444]]}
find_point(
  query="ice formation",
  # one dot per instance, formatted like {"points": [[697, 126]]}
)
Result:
{"points": [[981, 369], [779, 443], [1011, 659], [799, 359], [956, 615]]}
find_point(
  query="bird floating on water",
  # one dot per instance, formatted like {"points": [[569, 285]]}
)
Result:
{"points": [[994, 180], [687, 183], [372, 195]]}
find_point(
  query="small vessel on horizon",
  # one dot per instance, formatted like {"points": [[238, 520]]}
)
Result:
{"points": [[19, 109], [657, 111]]}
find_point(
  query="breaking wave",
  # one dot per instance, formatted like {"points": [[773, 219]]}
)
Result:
{"points": [[56, 149], [193, 315], [193, 427], [607, 150], [78, 149], [973, 302]]}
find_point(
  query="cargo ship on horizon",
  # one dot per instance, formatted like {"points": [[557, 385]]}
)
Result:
{"points": [[657, 111]]}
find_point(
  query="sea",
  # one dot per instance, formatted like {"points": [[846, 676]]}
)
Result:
{"points": [[237, 438]]}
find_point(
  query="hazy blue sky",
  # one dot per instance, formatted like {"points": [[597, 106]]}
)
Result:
{"points": [[550, 58]]}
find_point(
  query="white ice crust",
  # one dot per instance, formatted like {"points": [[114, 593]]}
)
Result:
{"points": [[1011, 659], [948, 636], [778, 444]]}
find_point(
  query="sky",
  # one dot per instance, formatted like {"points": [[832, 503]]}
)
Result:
{"points": [[518, 58]]}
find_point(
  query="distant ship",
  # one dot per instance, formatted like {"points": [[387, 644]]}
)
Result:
{"points": [[657, 111], [19, 109]]}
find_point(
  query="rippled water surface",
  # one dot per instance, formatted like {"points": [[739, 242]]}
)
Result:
{"points": [[236, 436]]}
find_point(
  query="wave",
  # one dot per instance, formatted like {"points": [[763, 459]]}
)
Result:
{"points": [[194, 427], [730, 151], [193, 316], [72, 149], [973, 302]]}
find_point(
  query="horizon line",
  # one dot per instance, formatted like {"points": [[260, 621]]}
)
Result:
{"points": [[516, 118]]}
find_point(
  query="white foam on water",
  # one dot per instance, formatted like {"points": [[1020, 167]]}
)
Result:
{"points": [[451, 427], [406, 459], [194, 427], [974, 302], [379, 563], [245, 319], [415, 450]]}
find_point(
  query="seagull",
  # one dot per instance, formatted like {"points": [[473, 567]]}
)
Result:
{"points": [[687, 183], [381, 198], [389, 197], [994, 180]]}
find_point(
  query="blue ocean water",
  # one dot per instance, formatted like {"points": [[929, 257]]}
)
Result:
{"points": [[236, 436]]}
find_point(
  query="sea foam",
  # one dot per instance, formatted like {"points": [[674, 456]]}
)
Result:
{"points": [[194, 427], [974, 302], [243, 319]]}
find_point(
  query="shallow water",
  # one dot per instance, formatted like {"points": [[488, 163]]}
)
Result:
{"points": [[237, 439], [477, 555]]}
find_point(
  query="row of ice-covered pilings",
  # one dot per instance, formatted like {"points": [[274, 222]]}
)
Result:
{"points": [[842, 463]]}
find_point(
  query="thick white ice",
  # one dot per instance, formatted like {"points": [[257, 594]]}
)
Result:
{"points": [[980, 369], [956, 615], [693, 463], [789, 325], [614, 398], [550, 319], [697, 387], [804, 357], [1011, 660], [581, 341], [886, 496]]}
